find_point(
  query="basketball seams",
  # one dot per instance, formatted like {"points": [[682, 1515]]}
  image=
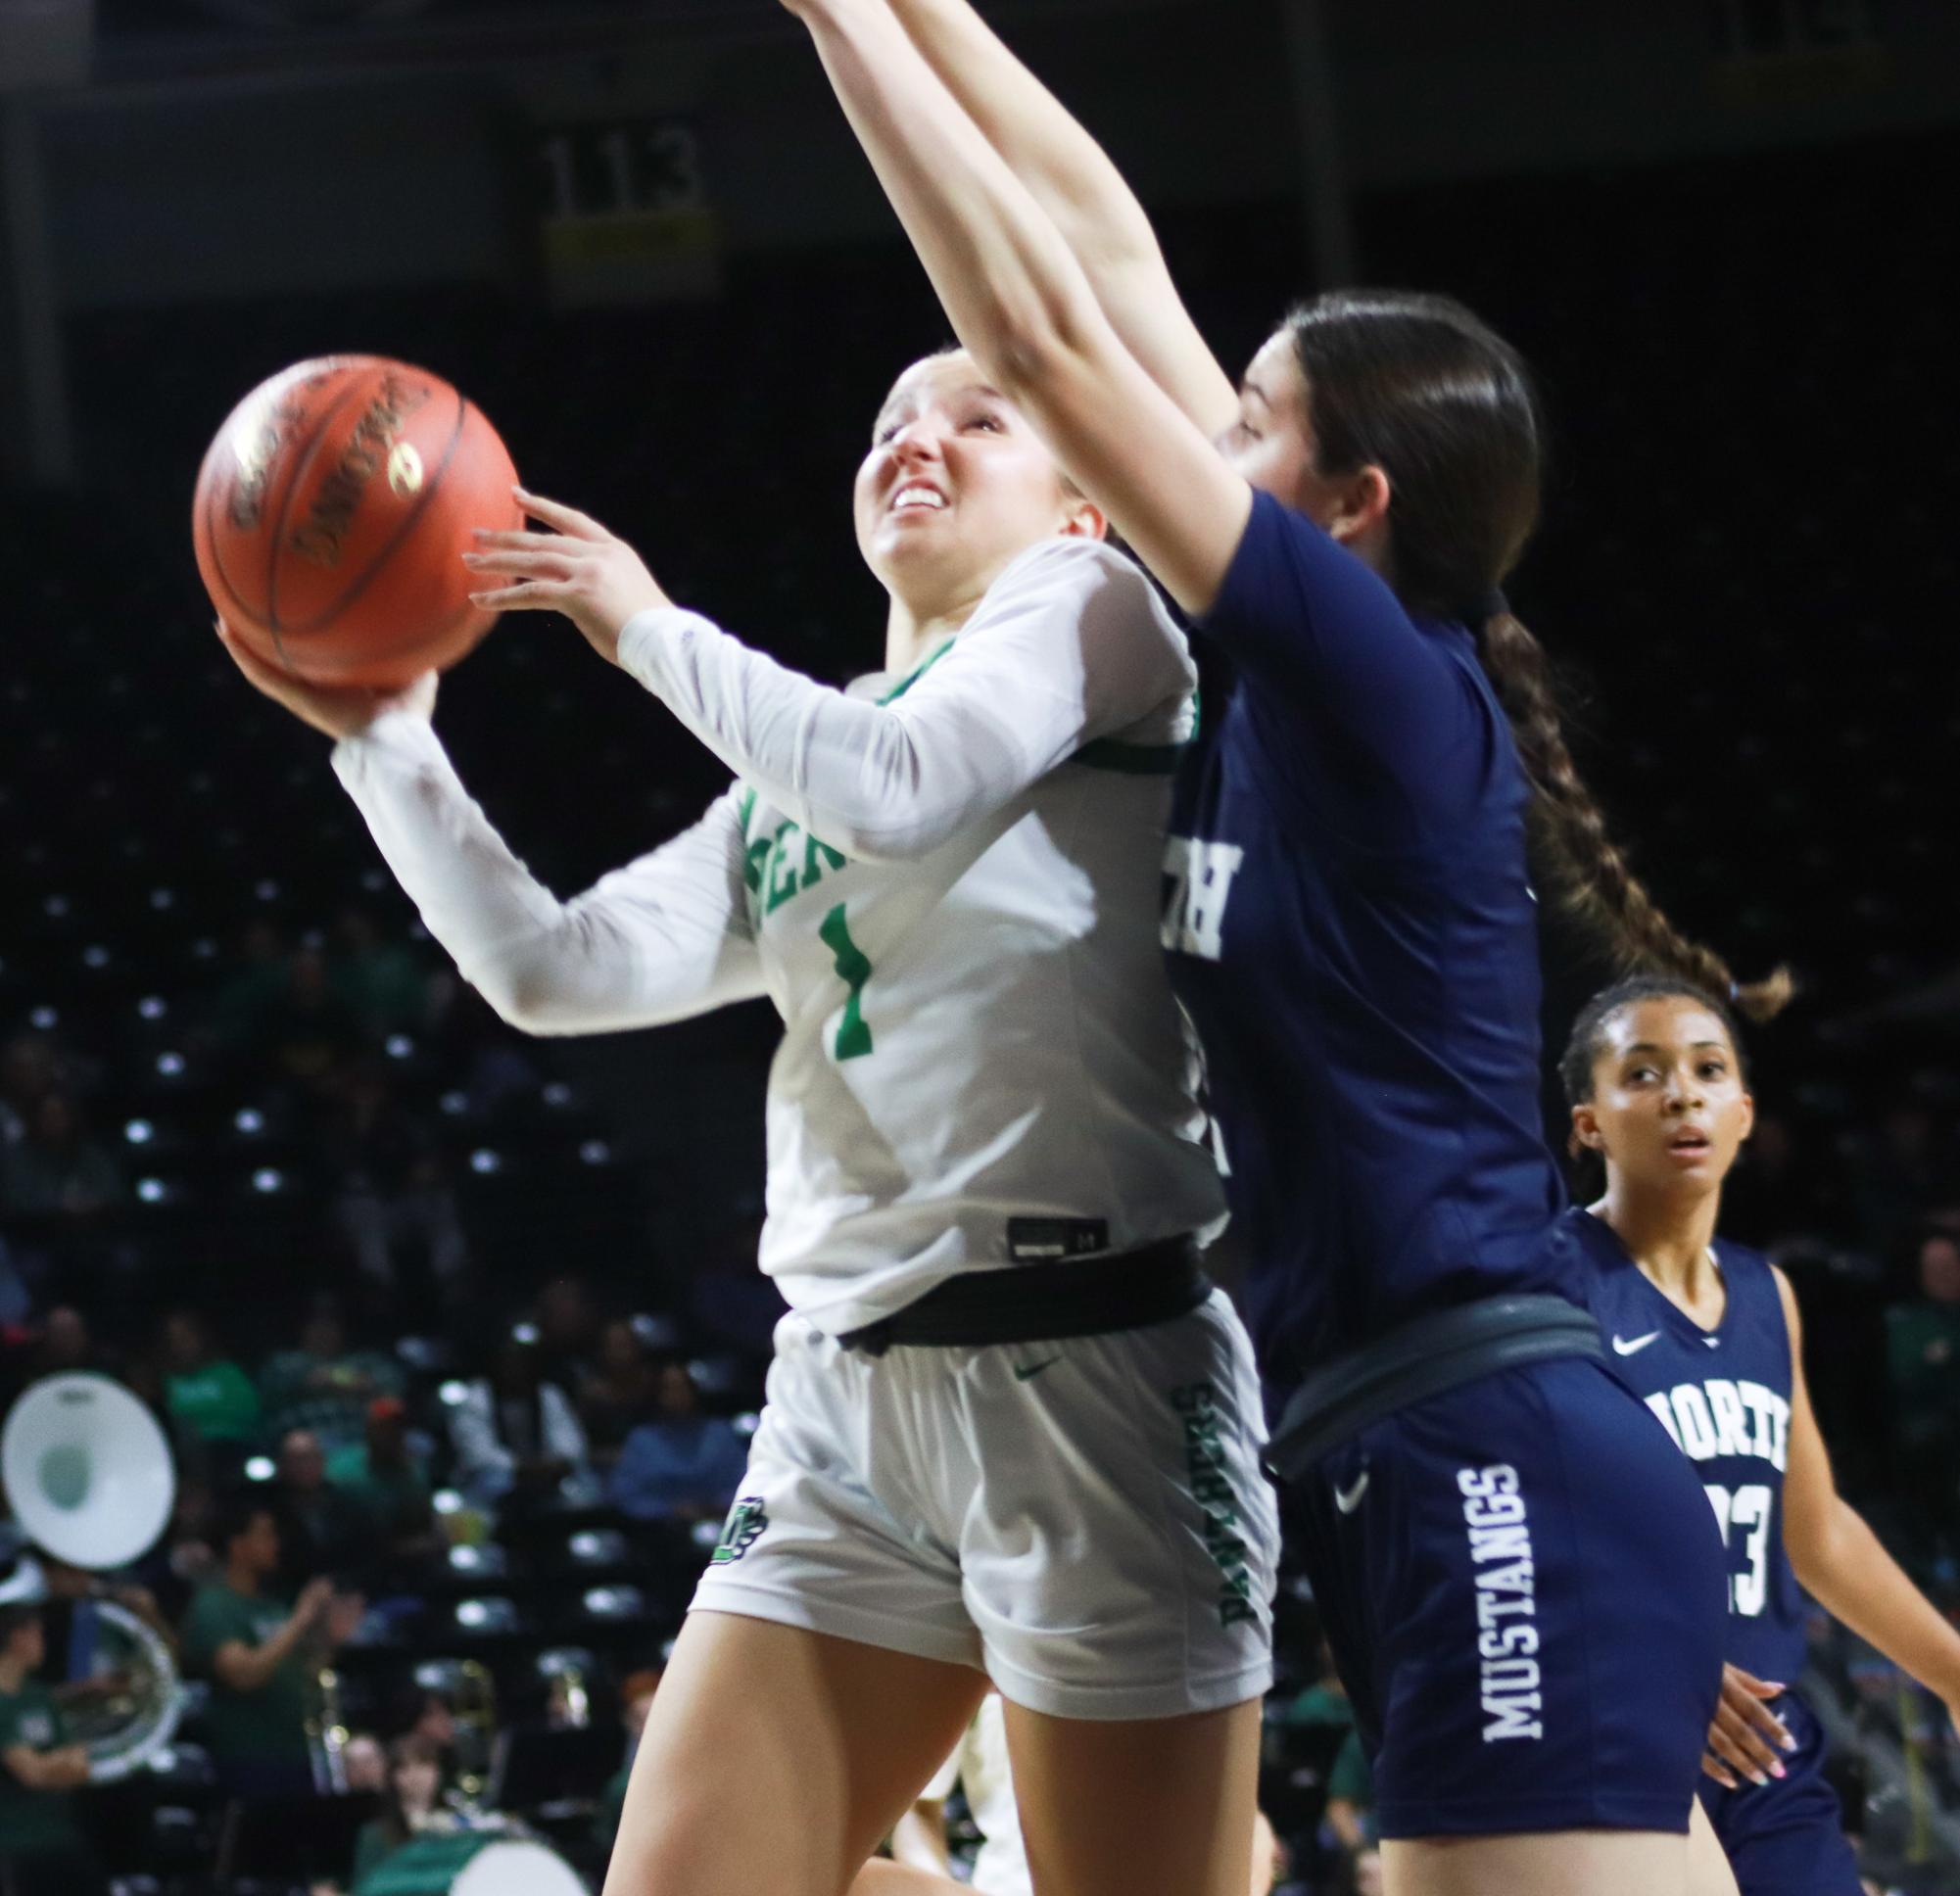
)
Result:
{"points": [[218, 493], [307, 452], [403, 529]]}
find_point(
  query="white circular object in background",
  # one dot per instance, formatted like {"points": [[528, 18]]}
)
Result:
{"points": [[514, 1869], [89, 1470]]}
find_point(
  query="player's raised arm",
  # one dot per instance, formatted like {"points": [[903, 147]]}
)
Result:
{"points": [[1071, 644], [1075, 182], [1025, 307], [661, 939]]}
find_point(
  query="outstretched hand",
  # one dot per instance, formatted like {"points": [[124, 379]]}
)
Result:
{"points": [[580, 569], [339, 710]]}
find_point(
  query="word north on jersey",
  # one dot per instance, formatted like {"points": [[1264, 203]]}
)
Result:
{"points": [[1718, 1417]]}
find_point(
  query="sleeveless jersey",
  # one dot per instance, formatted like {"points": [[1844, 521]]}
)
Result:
{"points": [[1724, 1395], [1352, 926]]}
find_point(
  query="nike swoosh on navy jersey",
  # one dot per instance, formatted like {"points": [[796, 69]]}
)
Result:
{"points": [[1622, 1348]]}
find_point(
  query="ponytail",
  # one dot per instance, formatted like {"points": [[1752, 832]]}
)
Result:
{"points": [[1593, 881], [1419, 387]]}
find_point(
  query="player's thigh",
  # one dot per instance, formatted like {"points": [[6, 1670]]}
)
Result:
{"points": [[879, 1878], [1601, 1863], [1147, 1806], [776, 1759], [1553, 1863], [1708, 1870]]}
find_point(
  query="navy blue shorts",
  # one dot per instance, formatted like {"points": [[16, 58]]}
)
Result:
{"points": [[1786, 1837], [1526, 1595]]}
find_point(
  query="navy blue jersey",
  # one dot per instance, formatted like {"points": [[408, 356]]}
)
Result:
{"points": [[1353, 929], [1724, 1395]]}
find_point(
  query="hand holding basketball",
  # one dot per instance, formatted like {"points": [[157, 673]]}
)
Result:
{"points": [[580, 569], [338, 710]]}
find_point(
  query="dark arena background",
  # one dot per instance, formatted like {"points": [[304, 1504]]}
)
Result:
{"points": [[268, 1162]]}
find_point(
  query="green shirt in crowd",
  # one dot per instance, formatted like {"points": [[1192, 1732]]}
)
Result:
{"points": [[1350, 1776], [1924, 1348], [373, 1845], [612, 1808], [1318, 1705], [33, 1822], [215, 1404], [335, 1409], [396, 1502], [265, 1727]]}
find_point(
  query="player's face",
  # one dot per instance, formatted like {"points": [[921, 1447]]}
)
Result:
{"points": [[1669, 1109], [417, 1780], [1272, 444], [28, 1648], [956, 485], [262, 1542]]}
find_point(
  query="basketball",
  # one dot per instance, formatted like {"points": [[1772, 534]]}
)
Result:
{"points": [[331, 514]]}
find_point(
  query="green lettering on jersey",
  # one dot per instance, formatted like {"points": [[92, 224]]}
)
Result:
{"points": [[783, 862], [853, 969]]}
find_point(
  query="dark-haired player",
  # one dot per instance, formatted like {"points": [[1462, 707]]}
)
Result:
{"points": [[1705, 1332], [1523, 1592]]}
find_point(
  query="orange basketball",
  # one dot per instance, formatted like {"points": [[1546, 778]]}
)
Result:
{"points": [[332, 513]]}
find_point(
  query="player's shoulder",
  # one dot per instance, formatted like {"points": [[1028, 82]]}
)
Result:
{"points": [[1742, 1265], [1075, 564]]}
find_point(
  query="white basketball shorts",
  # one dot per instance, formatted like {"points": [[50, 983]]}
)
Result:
{"points": [[1086, 1521]]}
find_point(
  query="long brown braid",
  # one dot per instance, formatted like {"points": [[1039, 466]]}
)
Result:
{"points": [[1418, 386]]}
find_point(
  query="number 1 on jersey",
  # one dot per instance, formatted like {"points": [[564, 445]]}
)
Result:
{"points": [[853, 969]]}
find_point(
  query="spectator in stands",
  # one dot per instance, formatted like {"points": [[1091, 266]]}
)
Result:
{"points": [[71, 1628], [17, 1298], [1350, 1810], [1324, 1703], [42, 1850], [378, 977], [467, 1038], [516, 1436], [1923, 1348], [436, 1721], [568, 1329], [55, 1174], [1901, 1178], [307, 1034], [682, 1465], [253, 987], [63, 1342], [389, 1188], [261, 1655], [321, 1529], [636, 1700], [207, 1396], [622, 1391], [412, 1797], [184, 1558], [363, 1761], [386, 1485], [324, 1385], [31, 1068]]}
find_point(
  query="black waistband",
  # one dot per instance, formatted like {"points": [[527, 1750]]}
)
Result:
{"points": [[1423, 1359], [1087, 1297]]}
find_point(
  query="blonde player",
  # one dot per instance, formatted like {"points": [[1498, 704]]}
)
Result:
{"points": [[1011, 1431]]}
